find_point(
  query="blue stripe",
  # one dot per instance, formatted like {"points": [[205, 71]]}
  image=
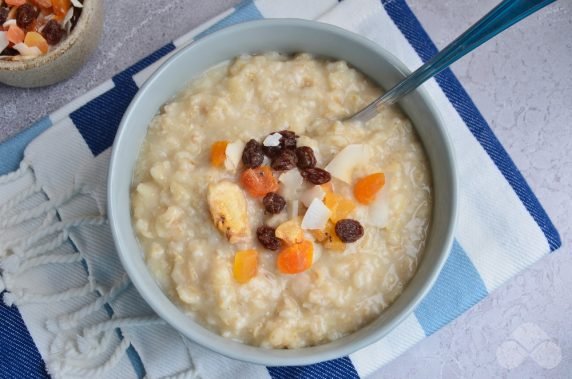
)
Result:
{"points": [[341, 368], [408, 24], [98, 120], [19, 356], [12, 150], [246, 11], [458, 288]]}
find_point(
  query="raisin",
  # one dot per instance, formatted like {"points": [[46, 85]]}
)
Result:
{"points": [[3, 14], [288, 140], [316, 175], [349, 230], [9, 52], [285, 161], [267, 237], [252, 156], [273, 203], [306, 157], [271, 151], [26, 14], [53, 32]]}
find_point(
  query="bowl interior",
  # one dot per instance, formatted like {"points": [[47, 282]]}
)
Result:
{"points": [[283, 36]]}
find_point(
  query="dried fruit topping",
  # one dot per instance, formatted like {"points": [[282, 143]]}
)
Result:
{"points": [[328, 238], [15, 3], [228, 210], [53, 32], [296, 258], [259, 181], [288, 140], [285, 160], [218, 152], [252, 156], [35, 39], [267, 237], [26, 14], [273, 203], [349, 230], [3, 14], [9, 52], [43, 3], [15, 34], [367, 187], [306, 157], [271, 151], [316, 175], [245, 265], [60, 8], [339, 205], [290, 232]]}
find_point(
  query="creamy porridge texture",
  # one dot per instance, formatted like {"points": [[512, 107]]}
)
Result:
{"points": [[291, 268]]}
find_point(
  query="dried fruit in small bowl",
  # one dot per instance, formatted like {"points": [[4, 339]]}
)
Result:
{"points": [[30, 28]]}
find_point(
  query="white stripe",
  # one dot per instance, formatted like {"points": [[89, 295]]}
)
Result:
{"points": [[76, 103], [188, 38], [366, 361], [144, 74], [294, 8]]}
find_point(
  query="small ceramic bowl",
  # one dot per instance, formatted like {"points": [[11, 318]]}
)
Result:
{"points": [[62, 62], [287, 36]]}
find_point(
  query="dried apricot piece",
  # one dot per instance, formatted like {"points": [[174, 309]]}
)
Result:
{"points": [[296, 258], [218, 153], [36, 39], [259, 181], [339, 205], [328, 238], [15, 2], [15, 34], [245, 265], [60, 8], [367, 187]]}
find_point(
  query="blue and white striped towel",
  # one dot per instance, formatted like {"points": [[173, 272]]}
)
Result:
{"points": [[68, 302]]}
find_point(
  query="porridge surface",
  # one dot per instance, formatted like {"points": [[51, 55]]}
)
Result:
{"points": [[192, 261]]}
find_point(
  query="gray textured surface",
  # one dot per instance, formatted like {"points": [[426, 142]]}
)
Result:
{"points": [[521, 82]]}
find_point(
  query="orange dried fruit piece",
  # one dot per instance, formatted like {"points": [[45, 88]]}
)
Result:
{"points": [[15, 34], [296, 258], [367, 187], [36, 39], [245, 265], [60, 8], [328, 238], [15, 2], [339, 205], [259, 181], [218, 153], [43, 3]]}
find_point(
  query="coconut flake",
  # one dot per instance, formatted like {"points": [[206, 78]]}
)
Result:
{"points": [[3, 41], [272, 139], [316, 216], [316, 192], [233, 154], [292, 181], [9, 22], [27, 51], [345, 161], [77, 4], [293, 208], [67, 20]]}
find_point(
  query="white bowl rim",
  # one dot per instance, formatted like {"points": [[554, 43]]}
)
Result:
{"points": [[275, 357]]}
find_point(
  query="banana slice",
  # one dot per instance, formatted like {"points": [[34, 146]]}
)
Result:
{"points": [[228, 209]]}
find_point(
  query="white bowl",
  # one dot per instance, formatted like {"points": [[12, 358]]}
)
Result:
{"points": [[283, 36]]}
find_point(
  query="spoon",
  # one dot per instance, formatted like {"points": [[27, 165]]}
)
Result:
{"points": [[503, 16]]}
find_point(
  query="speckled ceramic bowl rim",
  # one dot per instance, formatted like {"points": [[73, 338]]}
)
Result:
{"points": [[166, 79], [74, 36]]}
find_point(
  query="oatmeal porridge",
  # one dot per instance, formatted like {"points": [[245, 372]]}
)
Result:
{"points": [[267, 220]]}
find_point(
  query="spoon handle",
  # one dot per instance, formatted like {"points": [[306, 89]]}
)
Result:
{"points": [[504, 15]]}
